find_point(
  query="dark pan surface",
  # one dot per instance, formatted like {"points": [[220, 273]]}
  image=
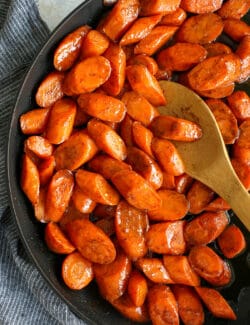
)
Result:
{"points": [[87, 303]]}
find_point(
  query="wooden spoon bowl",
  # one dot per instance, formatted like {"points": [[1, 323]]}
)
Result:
{"points": [[206, 159]]}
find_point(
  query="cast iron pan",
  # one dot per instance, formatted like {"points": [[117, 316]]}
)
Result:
{"points": [[86, 304]]}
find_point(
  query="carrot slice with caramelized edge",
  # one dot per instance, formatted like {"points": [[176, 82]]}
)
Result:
{"points": [[39, 146], [34, 121], [56, 241], [136, 190], [145, 166], [180, 270], [162, 305], [175, 18], [224, 278], [201, 7], [154, 270], [139, 108], [96, 187], [112, 279], [46, 170], [167, 156], [91, 241], [94, 44], [239, 102], [30, 182], [58, 195], [174, 128], [199, 196], [137, 288], [61, 121], [107, 139], [104, 107], [75, 151], [215, 303], [77, 272], [131, 225], [166, 238], [232, 241], [189, 305], [144, 83], [68, 50], [82, 202], [149, 7], [205, 228], [50, 89], [174, 206]]}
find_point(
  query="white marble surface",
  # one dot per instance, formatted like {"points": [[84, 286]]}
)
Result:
{"points": [[53, 11]]}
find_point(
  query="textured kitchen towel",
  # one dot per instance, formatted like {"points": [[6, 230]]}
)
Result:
{"points": [[25, 297]]}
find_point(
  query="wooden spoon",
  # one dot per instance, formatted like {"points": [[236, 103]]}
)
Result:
{"points": [[207, 159]]}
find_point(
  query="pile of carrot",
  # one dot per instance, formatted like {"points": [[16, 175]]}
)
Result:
{"points": [[101, 171]]}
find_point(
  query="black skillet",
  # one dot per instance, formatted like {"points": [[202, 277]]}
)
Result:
{"points": [[86, 304]]}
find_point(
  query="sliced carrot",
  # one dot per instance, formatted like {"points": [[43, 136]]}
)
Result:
{"points": [[201, 7], [68, 50], [120, 18], [104, 107], [94, 43], [56, 241], [232, 241], [131, 225], [107, 166], [75, 151], [30, 182], [39, 146], [127, 308], [199, 196], [205, 262], [215, 303], [236, 29], [39, 207], [146, 60], [218, 92], [180, 271], [82, 202], [181, 56], [216, 71], [155, 40], [145, 166], [136, 190], [112, 279], [242, 169], [46, 170], [139, 30], [167, 156], [205, 228], [70, 214], [239, 103], [241, 148], [217, 48], [87, 75], [137, 288], [61, 121], [50, 89], [224, 279], [96, 187], [139, 108], [218, 204], [117, 58], [174, 206], [168, 182], [234, 9], [77, 272], [126, 130], [107, 139], [34, 121], [175, 18], [154, 270], [183, 183], [189, 305], [144, 83], [91, 241], [225, 119], [104, 211], [166, 238], [107, 226], [58, 195], [243, 51], [174, 128], [200, 29], [142, 137], [162, 305], [149, 8]]}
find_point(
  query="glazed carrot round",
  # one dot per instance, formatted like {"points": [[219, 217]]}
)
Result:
{"points": [[39, 146], [56, 241], [234, 9], [34, 121], [94, 43], [201, 7], [146, 60], [46, 170], [137, 288], [174, 18], [199, 196], [149, 8], [217, 48], [30, 181], [239, 103], [82, 202], [142, 137]]}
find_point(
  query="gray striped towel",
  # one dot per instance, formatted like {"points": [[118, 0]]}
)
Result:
{"points": [[25, 298]]}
